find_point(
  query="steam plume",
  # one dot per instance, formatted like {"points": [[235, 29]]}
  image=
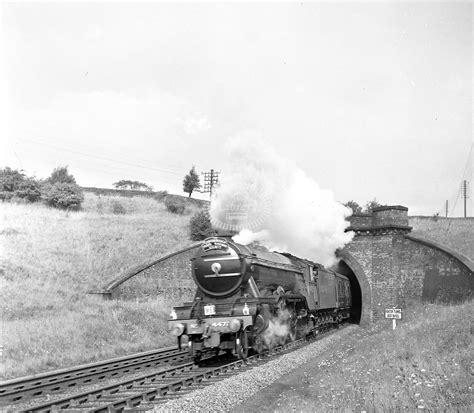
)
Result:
{"points": [[268, 199]]}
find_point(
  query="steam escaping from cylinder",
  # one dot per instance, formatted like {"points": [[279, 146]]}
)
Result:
{"points": [[266, 198], [278, 330]]}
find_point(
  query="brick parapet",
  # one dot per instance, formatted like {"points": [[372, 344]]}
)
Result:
{"points": [[390, 215], [383, 221], [361, 220]]}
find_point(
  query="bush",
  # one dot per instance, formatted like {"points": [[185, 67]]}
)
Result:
{"points": [[6, 195], [118, 208], [160, 195], [10, 181], [63, 195], [29, 189], [175, 205], [200, 226]]}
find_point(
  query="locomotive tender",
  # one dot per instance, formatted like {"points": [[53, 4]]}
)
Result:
{"points": [[245, 292]]}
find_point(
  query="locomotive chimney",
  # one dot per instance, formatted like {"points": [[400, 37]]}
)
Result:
{"points": [[226, 233]]}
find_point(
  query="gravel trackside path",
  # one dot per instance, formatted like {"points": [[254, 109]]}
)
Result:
{"points": [[228, 393]]}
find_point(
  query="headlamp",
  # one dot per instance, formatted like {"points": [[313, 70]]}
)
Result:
{"points": [[177, 330]]}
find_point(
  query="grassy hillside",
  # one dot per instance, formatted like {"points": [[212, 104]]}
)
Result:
{"points": [[457, 233], [51, 258]]}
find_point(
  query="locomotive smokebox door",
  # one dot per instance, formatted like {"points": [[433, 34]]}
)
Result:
{"points": [[218, 268]]}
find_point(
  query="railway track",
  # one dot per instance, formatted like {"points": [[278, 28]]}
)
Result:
{"points": [[25, 388], [144, 392]]}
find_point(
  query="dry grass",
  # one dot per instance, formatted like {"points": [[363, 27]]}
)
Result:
{"points": [[51, 258], [425, 364]]}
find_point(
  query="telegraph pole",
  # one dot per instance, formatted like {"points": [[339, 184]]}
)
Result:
{"points": [[465, 194], [446, 208], [211, 179]]}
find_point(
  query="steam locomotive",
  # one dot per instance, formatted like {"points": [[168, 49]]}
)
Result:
{"points": [[249, 299]]}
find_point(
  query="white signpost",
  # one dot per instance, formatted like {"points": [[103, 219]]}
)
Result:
{"points": [[395, 314]]}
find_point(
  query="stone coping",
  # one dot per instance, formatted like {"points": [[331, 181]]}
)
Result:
{"points": [[388, 207], [439, 218], [378, 227]]}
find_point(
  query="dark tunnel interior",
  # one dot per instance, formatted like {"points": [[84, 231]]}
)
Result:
{"points": [[356, 309]]}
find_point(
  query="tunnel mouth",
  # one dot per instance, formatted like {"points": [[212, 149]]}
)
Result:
{"points": [[356, 309]]}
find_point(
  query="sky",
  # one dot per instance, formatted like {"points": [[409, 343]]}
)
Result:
{"points": [[371, 100]]}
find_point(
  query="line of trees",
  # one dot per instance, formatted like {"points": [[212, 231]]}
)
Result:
{"points": [[135, 185], [59, 190]]}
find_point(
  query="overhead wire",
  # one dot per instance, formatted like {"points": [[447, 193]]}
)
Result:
{"points": [[165, 176], [103, 158], [94, 148], [468, 163]]}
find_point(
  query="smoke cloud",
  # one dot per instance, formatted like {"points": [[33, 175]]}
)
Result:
{"points": [[268, 199]]}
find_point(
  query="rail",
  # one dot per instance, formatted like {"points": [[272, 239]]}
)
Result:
{"points": [[144, 391], [24, 388]]}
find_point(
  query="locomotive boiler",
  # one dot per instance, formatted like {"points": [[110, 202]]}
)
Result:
{"points": [[249, 298]]}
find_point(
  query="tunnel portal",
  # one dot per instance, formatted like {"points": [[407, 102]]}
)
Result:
{"points": [[356, 293], [391, 267]]}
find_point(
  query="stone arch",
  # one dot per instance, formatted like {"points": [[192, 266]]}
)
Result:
{"points": [[365, 289]]}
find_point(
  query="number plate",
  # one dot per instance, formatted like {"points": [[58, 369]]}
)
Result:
{"points": [[209, 309]]}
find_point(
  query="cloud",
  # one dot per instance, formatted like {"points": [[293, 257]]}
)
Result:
{"points": [[194, 125]]}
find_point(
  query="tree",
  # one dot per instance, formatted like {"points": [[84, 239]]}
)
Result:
{"points": [[135, 185], [29, 189], [191, 182], [371, 205], [356, 208], [200, 226], [61, 174]]}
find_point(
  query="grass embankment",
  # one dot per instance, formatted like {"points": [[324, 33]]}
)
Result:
{"points": [[425, 364], [51, 258]]}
